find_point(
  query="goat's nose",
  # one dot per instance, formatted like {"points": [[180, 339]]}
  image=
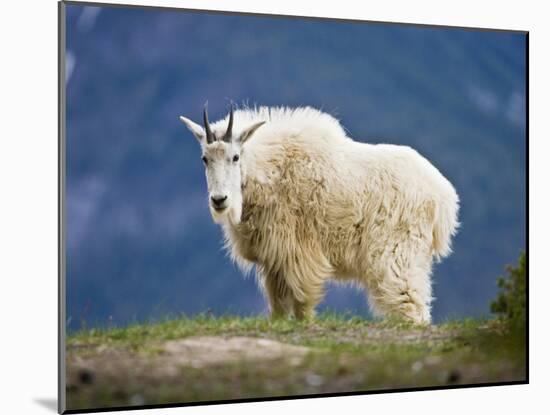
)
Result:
{"points": [[218, 200]]}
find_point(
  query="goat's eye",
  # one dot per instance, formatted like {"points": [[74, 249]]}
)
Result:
{"points": [[204, 160], [235, 158]]}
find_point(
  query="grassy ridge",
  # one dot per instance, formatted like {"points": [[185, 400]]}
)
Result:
{"points": [[127, 366]]}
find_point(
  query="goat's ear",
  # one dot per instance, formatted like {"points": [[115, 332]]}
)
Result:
{"points": [[246, 134], [195, 128]]}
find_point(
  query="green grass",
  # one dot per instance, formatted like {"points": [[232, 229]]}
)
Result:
{"points": [[125, 366]]}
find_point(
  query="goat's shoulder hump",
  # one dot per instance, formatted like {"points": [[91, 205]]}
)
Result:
{"points": [[291, 119]]}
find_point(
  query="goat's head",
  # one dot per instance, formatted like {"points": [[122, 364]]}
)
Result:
{"points": [[221, 155]]}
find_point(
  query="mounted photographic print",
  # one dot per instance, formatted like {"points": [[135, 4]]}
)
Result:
{"points": [[258, 207]]}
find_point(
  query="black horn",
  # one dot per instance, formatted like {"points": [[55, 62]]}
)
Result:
{"points": [[209, 136], [229, 133]]}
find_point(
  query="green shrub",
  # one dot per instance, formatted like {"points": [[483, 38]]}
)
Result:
{"points": [[512, 298]]}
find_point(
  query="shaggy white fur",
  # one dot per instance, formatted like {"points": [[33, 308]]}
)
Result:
{"points": [[316, 205]]}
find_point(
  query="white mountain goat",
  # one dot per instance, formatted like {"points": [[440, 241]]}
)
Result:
{"points": [[305, 203]]}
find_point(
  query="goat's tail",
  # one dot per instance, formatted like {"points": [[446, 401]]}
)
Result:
{"points": [[446, 225]]}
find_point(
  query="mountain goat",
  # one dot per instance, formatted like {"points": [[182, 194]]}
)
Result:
{"points": [[302, 201]]}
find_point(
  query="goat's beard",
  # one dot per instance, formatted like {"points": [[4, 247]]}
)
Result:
{"points": [[230, 215], [219, 217], [235, 213]]}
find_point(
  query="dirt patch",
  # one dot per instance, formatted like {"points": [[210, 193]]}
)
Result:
{"points": [[199, 352], [169, 358]]}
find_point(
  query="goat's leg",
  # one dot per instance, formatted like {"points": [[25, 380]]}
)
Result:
{"points": [[305, 297], [402, 286], [277, 293]]}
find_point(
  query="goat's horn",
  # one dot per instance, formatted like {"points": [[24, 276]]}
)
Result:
{"points": [[229, 133], [209, 135]]}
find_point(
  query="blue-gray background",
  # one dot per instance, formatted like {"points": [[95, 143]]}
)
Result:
{"points": [[140, 242]]}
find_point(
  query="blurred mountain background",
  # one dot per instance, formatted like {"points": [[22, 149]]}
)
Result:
{"points": [[140, 242]]}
